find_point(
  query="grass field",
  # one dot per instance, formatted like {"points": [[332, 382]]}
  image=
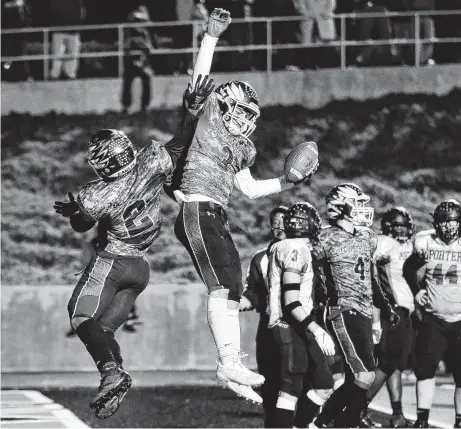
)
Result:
{"points": [[172, 406]]}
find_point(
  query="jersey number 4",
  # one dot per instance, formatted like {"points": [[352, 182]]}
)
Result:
{"points": [[360, 268], [136, 223], [451, 275]]}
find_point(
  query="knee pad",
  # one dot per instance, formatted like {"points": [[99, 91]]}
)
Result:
{"points": [[364, 379], [76, 321]]}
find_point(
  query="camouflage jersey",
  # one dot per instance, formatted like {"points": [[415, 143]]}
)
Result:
{"points": [[293, 255], [215, 156], [346, 261], [442, 275], [128, 208], [389, 258]]}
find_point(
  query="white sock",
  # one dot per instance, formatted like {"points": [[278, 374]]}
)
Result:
{"points": [[218, 322], [233, 326]]}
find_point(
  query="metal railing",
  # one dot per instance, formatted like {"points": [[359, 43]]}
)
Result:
{"points": [[342, 42]]}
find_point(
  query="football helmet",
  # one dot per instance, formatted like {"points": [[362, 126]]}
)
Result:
{"points": [[239, 106], [397, 223], [347, 201], [111, 154], [302, 220], [447, 220]]}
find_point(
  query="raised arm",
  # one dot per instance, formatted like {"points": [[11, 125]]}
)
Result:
{"points": [[253, 188], [218, 21]]}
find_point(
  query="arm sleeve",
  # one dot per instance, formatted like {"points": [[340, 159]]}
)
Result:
{"points": [[382, 277], [183, 137], [254, 282], [412, 272], [253, 188], [205, 57]]}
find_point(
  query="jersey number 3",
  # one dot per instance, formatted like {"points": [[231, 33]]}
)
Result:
{"points": [[136, 223]]}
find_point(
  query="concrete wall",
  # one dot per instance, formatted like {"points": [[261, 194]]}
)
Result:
{"points": [[313, 89], [174, 336]]}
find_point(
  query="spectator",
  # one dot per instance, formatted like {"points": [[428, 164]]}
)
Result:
{"points": [[15, 14], [404, 28], [236, 34], [137, 64], [367, 29], [320, 13], [65, 13]]}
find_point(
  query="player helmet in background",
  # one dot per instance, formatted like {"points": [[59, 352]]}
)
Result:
{"points": [[302, 220], [239, 106], [348, 201], [111, 154], [397, 223], [447, 220]]}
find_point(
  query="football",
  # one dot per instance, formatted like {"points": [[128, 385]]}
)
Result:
{"points": [[301, 162]]}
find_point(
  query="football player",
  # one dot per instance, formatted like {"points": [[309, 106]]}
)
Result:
{"points": [[302, 344], [219, 158], [344, 254], [255, 296], [393, 248], [434, 273], [124, 202]]}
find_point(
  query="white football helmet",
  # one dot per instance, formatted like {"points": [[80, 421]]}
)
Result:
{"points": [[239, 106], [347, 201], [111, 154]]}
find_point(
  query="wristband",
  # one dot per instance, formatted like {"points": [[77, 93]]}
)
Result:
{"points": [[290, 307], [306, 322]]}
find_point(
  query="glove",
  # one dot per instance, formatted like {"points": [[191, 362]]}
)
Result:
{"points": [[421, 298], [377, 332], [393, 318], [245, 304], [218, 21], [325, 342], [197, 95], [66, 209]]}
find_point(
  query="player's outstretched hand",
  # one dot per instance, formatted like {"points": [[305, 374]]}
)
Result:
{"points": [[325, 342], [198, 94], [66, 209], [218, 21]]}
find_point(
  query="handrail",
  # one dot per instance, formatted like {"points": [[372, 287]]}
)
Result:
{"points": [[269, 47], [247, 20]]}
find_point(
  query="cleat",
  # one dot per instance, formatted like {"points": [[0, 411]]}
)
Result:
{"points": [[241, 390], [421, 424], [115, 383], [398, 421], [365, 422], [238, 373]]}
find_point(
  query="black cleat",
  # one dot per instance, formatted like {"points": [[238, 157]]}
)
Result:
{"points": [[115, 383], [398, 421], [421, 423]]}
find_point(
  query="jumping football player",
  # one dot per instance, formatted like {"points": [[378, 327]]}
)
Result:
{"points": [[124, 203], [394, 247], [256, 296], [303, 346], [345, 255], [219, 158], [434, 273]]}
